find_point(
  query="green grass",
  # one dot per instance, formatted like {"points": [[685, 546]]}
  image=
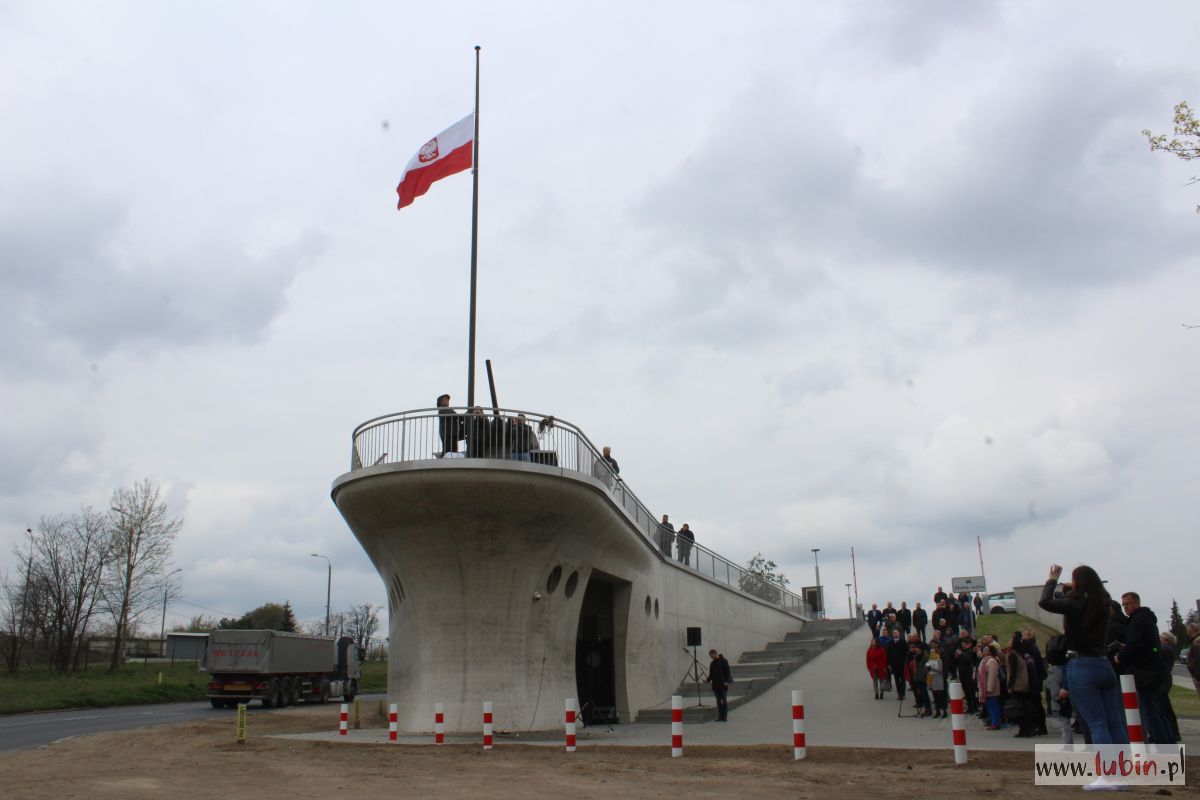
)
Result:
{"points": [[374, 677], [1185, 702], [1002, 626], [135, 684], [41, 690]]}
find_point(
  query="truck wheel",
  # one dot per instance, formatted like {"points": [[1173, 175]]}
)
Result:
{"points": [[294, 687], [272, 696], [324, 696], [351, 690], [218, 703]]}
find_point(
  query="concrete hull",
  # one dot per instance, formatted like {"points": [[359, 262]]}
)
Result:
{"points": [[487, 565]]}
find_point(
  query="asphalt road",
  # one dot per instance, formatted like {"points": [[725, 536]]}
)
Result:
{"points": [[23, 731]]}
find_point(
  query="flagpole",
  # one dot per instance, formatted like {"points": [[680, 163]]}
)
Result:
{"points": [[474, 238]]}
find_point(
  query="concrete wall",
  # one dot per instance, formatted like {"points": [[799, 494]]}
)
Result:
{"points": [[466, 549], [1027, 605]]}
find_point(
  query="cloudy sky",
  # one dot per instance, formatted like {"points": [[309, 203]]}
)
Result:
{"points": [[881, 275]]}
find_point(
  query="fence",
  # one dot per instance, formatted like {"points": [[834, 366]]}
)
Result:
{"points": [[459, 433]]}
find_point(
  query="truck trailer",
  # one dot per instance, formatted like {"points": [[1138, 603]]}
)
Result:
{"points": [[279, 668]]}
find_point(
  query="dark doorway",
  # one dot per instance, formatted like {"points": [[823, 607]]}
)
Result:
{"points": [[595, 653]]}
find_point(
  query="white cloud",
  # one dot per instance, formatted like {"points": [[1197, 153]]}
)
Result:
{"points": [[796, 266]]}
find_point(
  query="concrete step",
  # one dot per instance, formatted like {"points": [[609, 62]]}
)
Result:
{"points": [[691, 714], [757, 671], [801, 646], [782, 656], [740, 686], [812, 636]]}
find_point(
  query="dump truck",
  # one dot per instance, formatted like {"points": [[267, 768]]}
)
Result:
{"points": [[280, 669]]}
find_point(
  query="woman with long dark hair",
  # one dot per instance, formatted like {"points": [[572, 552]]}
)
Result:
{"points": [[1095, 691]]}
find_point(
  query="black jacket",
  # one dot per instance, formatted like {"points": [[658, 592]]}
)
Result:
{"points": [[904, 617], [920, 618], [719, 674], [1141, 642], [897, 655], [450, 429], [1083, 639], [964, 661], [1114, 631]]}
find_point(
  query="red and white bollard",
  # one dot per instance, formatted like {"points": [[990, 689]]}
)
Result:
{"points": [[343, 723], [1133, 714], [958, 722], [393, 730], [799, 745], [439, 724], [570, 722], [487, 725], [676, 726]]}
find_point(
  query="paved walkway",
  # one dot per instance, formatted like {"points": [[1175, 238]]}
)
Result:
{"points": [[840, 710]]}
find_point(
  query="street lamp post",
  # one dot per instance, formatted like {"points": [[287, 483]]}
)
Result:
{"points": [[328, 587], [820, 594], [849, 606], [162, 631]]}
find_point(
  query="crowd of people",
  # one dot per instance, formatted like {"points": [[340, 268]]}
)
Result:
{"points": [[487, 437], [1019, 682], [514, 438]]}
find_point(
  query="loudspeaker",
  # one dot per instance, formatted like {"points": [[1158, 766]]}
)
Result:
{"points": [[693, 635]]}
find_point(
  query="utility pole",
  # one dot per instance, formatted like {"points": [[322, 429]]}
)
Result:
{"points": [[979, 544], [328, 587], [162, 633]]}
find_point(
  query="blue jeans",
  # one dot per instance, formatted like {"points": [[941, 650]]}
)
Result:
{"points": [[1096, 695], [995, 711]]}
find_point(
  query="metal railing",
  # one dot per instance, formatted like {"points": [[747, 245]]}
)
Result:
{"points": [[459, 433]]}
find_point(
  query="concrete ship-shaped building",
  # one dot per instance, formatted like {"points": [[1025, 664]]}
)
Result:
{"points": [[521, 570]]}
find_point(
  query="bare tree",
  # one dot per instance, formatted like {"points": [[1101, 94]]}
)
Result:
{"points": [[69, 559], [141, 538], [12, 609], [361, 623], [16, 597]]}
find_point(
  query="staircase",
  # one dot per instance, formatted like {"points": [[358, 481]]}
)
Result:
{"points": [[758, 670]]}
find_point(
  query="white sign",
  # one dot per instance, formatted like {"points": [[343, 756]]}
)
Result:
{"points": [[974, 583]]}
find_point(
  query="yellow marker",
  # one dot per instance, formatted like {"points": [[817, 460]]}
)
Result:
{"points": [[241, 723], [357, 718], [160, 679]]}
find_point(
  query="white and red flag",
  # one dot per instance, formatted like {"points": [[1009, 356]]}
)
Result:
{"points": [[449, 152]]}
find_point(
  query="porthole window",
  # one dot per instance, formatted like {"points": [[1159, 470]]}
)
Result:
{"points": [[656, 609], [647, 605], [553, 579], [572, 585]]}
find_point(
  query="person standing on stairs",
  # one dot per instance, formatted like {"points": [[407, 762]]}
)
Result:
{"points": [[720, 676]]}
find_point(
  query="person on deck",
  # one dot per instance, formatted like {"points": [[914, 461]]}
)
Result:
{"points": [[685, 538]]}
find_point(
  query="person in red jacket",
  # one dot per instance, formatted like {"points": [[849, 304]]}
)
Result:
{"points": [[877, 666]]}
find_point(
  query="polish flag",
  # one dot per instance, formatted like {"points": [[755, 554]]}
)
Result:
{"points": [[449, 152]]}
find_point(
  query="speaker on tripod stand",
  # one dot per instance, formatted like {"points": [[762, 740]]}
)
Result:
{"points": [[694, 672]]}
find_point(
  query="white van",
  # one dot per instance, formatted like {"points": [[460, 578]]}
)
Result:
{"points": [[1002, 603]]}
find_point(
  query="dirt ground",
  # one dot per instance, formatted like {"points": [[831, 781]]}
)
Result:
{"points": [[202, 760]]}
